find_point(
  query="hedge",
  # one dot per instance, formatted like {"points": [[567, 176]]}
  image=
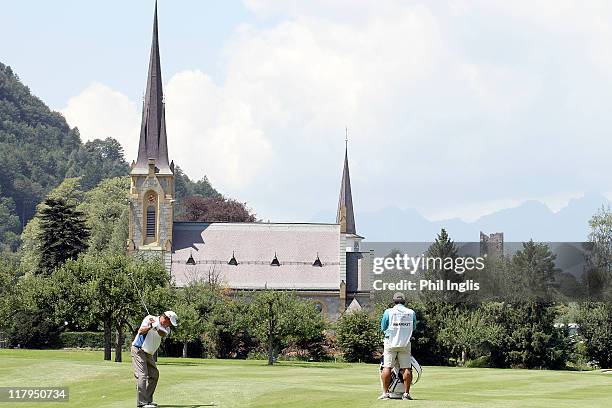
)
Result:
{"points": [[89, 340]]}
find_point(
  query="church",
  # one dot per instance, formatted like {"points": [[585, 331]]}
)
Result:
{"points": [[318, 261]]}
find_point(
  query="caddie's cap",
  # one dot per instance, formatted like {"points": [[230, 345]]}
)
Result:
{"points": [[399, 296]]}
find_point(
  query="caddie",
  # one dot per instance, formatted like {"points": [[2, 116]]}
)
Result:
{"points": [[144, 346], [398, 323]]}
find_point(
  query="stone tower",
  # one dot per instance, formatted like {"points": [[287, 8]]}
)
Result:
{"points": [[492, 245], [152, 176]]}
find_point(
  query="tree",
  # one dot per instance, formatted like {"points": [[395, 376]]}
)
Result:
{"points": [[8, 280], [97, 160], [31, 245], [193, 304], [595, 325], [598, 276], [359, 336], [31, 323], [72, 302], [534, 268], [310, 331], [469, 334], [35, 144], [63, 234], [106, 209], [185, 187], [9, 225], [595, 318], [228, 326], [38, 150], [278, 317], [529, 337], [191, 324], [443, 249], [113, 287], [217, 209]]}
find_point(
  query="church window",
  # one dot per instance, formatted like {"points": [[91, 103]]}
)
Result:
{"points": [[150, 221], [190, 260], [275, 261], [233, 261], [320, 306]]}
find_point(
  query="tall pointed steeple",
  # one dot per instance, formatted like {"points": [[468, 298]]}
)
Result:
{"points": [[153, 141], [345, 216]]}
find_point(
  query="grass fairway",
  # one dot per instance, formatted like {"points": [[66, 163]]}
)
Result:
{"points": [[226, 383]]}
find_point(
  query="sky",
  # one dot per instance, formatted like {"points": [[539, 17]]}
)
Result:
{"points": [[453, 108]]}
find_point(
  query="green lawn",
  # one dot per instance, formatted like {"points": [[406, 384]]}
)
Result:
{"points": [[226, 383]]}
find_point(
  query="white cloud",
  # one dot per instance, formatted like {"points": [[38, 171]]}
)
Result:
{"points": [[455, 107], [100, 112], [212, 133]]}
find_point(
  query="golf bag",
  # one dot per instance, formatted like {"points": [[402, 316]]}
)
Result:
{"points": [[396, 388]]}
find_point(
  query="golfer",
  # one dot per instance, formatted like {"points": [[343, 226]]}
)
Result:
{"points": [[145, 344], [397, 323]]}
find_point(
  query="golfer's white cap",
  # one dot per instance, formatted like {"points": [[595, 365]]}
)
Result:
{"points": [[172, 316]]}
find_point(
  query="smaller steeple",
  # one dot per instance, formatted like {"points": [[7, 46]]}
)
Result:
{"points": [[345, 216]]}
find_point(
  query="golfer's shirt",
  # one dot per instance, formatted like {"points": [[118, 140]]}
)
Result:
{"points": [[398, 323], [149, 342]]}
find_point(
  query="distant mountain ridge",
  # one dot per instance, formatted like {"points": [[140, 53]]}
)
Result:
{"points": [[530, 220]]}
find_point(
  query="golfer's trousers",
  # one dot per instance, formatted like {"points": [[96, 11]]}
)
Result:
{"points": [[146, 373]]}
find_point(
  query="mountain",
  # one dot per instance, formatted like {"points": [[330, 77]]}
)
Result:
{"points": [[530, 220], [37, 151]]}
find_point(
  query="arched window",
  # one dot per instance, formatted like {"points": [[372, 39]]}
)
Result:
{"points": [[150, 218], [320, 307], [150, 222]]}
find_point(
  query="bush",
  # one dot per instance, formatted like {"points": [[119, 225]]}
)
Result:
{"points": [[480, 362], [89, 339], [82, 339], [257, 354], [359, 336], [29, 329], [595, 326]]}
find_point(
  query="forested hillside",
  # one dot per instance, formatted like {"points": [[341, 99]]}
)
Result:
{"points": [[37, 151]]}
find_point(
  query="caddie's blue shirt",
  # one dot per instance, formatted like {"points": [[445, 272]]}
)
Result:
{"points": [[384, 322]]}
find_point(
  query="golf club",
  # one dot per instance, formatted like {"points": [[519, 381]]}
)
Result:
{"points": [[139, 294]]}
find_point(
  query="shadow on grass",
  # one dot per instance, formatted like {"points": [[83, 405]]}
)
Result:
{"points": [[179, 363], [187, 406], [263, 363], [312, 364]]}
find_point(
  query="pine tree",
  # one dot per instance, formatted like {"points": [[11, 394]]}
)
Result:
{"points": [[443, 246], [63, 234]]}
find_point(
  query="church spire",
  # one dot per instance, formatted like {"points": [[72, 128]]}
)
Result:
{"points": [[345, 216], [153, 140]]}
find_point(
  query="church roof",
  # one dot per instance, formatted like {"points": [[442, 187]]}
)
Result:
{"points": [[354, 306], [254, 246], [153, 142], [345, 216]]}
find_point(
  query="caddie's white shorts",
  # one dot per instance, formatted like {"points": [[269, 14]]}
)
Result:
{"points": [[401, 354]]}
